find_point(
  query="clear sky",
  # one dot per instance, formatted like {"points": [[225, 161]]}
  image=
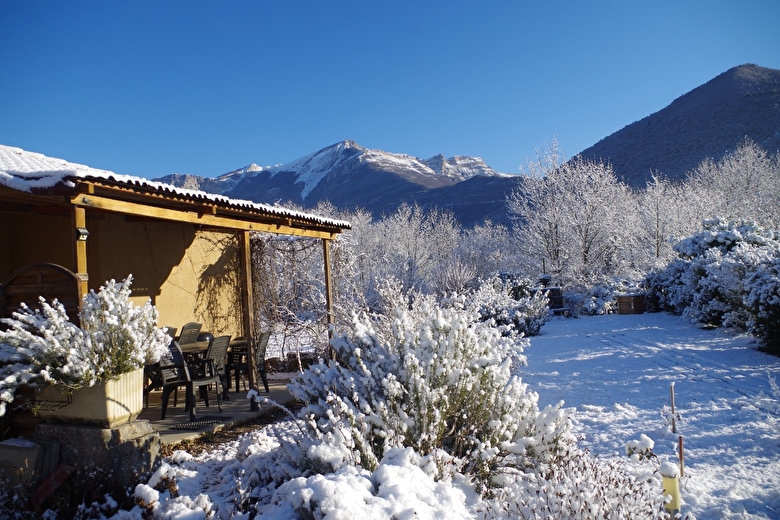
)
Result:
{"points": [[204, 87]]}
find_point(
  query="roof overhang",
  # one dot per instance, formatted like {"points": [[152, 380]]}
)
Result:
{"points": [[143, 199], [199, 209]]}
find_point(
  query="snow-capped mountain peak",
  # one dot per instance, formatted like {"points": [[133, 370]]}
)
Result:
{"points": [[460, 167], [347, 155], [350, 176], [311, 169]]}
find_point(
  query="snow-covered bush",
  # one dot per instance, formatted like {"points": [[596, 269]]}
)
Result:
{"points": [[431, 377], [725, 276], [578, 486], [600, 298], [671, 288], [509, 303], [42, 347], [762, 299], [453, 277]]}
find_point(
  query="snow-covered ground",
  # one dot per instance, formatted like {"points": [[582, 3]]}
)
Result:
{"points": [[615, 373]]}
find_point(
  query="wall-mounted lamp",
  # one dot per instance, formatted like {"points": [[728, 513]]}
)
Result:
{"points": [[81, 234]]}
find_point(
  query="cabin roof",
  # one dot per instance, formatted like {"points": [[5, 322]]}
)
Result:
{"points": [[39, 175]]}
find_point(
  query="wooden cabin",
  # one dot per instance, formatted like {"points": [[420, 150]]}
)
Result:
{"points": [[187, 250]]}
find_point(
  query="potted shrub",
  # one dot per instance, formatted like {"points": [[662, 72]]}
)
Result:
{"points": [[90, 374]]}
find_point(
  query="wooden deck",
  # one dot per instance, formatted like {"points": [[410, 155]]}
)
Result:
{"points": [[176, 426]]}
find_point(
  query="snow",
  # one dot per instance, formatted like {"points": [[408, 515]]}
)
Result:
{"points": [[614, 373]]}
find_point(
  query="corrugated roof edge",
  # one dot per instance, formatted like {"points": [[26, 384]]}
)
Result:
{"points": [[213, 197]]}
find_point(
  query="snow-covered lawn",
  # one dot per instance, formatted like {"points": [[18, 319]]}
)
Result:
{"points": [[615, 372]]}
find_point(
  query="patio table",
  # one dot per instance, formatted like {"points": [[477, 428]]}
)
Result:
{"points": [[195, 349]]}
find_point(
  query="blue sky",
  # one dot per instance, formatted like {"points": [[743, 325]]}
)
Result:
{"points": [[149, 88]]}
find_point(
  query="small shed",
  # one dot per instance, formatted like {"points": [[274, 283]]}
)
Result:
{"points": [[631, 303]]}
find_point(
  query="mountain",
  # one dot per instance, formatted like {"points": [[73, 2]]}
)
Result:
{"points": [[708, 121], [350, 176]]}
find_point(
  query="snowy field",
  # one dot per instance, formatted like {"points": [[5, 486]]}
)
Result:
{"points": [[615, 371]]}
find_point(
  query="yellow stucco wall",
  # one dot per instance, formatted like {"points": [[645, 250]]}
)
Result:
{"points": [[190, 274]]}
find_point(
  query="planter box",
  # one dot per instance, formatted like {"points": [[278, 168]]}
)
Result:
{"points": [[106, 405], [631, 304]]}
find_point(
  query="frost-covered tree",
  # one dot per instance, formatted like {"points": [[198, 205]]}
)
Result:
{"points": [[357, 262], [288, 281], [744, 184], [575, 218], [661, 218], [488, 248], [538, 209], [417, 243]]}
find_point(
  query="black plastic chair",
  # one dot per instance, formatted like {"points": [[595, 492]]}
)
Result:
{"points": [[152, 376], [242, 367], [175, 374], [209, 377], [216, 355], [189, 333], [152, 381]]}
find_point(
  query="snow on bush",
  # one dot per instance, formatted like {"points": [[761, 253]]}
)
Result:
{"points": [[430, 377], [507, 302], [726, 275], [42, 347], [762, 299], [579, 486], [403, 486], [600, 298]]}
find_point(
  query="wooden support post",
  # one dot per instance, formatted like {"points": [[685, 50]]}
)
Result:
{"points": [[328, 292], [249, 310], [80, 249]]}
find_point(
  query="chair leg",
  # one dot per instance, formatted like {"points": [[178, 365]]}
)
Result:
{"points": [[166, 394], [224, 382], [204, 394], [191, 400], [265, 380]]}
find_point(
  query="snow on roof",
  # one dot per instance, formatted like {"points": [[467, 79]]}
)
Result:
{"points": [[25, 171]]}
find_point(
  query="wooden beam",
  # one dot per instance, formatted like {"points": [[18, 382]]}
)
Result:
{"points": [[247, 297], [283, 226], [328, 292], [80, 250]]}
